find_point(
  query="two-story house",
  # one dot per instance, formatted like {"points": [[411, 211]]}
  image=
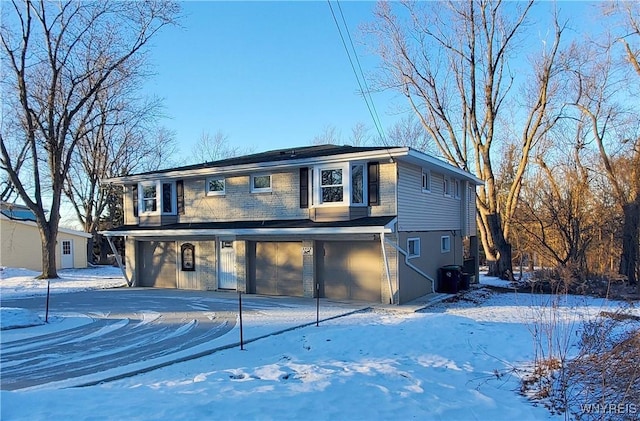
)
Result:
{"points": [[361, 223]]}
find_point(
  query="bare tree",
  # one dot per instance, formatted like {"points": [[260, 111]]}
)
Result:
{"points": [[408, 131], [215, 147], [455, 64], [330, 135], [122, 141], [607, 87], [59, 57]]}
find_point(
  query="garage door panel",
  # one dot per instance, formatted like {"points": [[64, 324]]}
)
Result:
{"points": [[278, 268], [352, 270], [266, 268], [159, 260]]}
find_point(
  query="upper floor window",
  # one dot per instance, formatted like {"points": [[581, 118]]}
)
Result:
{"points": [[341, 184], [331, 185], [456, 189], [157, 195], [446, 186], [426, 180], [215, 186], [149, 198], [260, 183], [357, 184]]}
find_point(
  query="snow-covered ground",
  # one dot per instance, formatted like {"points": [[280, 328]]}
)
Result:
{"points": [[451, 361]]}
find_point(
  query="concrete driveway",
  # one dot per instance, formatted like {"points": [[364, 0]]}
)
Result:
{"points": [[97, 336]]}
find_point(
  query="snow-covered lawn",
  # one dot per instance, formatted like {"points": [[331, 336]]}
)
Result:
{"points": [[452, 361]]}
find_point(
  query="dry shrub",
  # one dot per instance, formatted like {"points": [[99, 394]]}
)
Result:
{"points": [[601, 382]]}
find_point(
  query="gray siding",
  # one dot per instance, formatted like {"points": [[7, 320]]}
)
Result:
{"points": [[425, 211]]}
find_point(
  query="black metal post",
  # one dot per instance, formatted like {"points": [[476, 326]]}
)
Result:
{"points": [[46, 313], [240, 312], [317, 305]]}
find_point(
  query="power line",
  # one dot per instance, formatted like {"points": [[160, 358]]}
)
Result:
{"points": [[365, 91]]}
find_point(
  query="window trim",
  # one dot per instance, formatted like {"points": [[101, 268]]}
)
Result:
{"points": [[216, 192], [445, 244], [416, 247], [254, 189], [426, 175]]}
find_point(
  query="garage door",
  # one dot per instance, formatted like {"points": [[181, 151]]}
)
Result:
{"points": [[351, 270], [158, 262], [278, 268]]}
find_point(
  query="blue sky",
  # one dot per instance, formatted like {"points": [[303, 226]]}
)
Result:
{"points": [[268, 74], [273, 74]]}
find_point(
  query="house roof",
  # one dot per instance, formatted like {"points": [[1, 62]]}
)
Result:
{"points": [[25, 216], [17, 212], [377, 224], [297, 157]]}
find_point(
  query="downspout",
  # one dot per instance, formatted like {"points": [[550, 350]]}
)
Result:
{"points": [[386, 267], [411, 265], [118, 260]]}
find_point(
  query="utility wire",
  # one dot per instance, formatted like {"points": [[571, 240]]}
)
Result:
{"points": [[369, 102]]}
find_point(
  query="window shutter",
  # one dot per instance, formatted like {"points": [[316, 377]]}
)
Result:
{"points": [[304, 187], [373, 183], [180, 198], [134, 194]]}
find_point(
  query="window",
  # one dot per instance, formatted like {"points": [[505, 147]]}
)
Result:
{"points": [[456, 189], [445, 244], [215, 186], [426, 180], [357, 184], [260, 183], [188, 257], [157, 196], [446, 187], [332, 188], [149, 198], [167, 197], [344, 184], [413, 247]]}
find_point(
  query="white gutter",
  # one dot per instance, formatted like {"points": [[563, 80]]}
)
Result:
{"points": [[261, 166], [411, 265], [247, 231]]}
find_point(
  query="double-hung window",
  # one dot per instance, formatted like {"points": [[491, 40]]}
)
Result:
{"points": [[149, 198], [332, 185]]}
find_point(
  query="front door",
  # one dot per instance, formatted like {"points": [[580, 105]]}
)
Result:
{"points": [[227, 266], [66, 255]]}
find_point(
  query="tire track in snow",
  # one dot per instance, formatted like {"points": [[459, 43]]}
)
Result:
{"points": [[106, 344]]}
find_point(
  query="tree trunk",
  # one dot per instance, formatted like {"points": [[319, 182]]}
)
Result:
{"points": [[630, 240], [49, 244], [499, 256]]}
